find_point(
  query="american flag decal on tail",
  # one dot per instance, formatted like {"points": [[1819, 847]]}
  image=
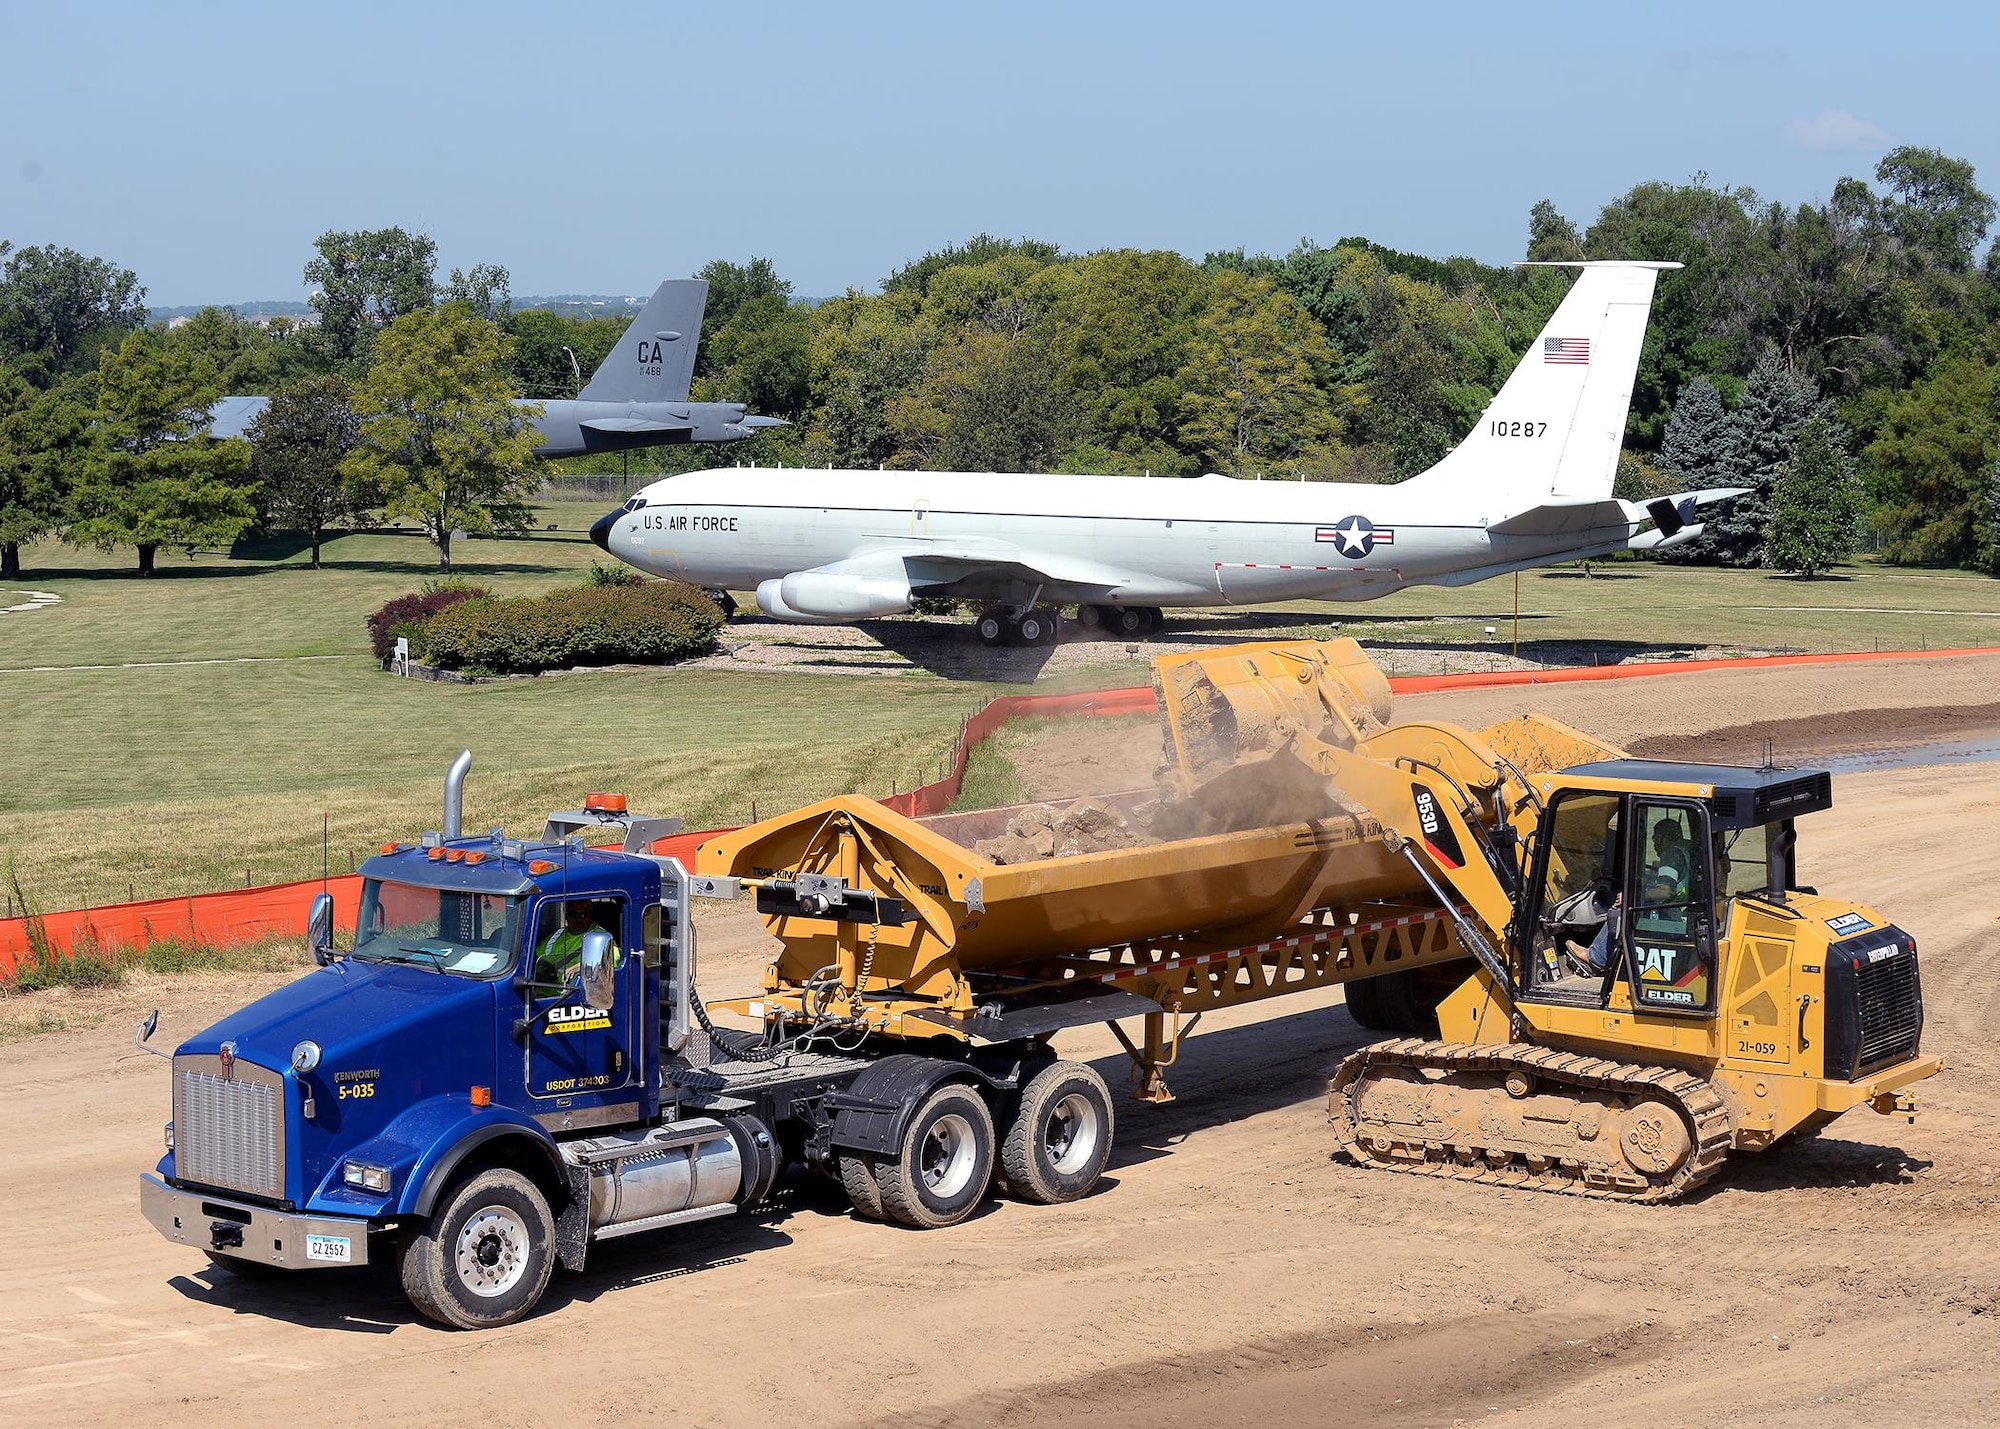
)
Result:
{"points": [[1571, 351]]}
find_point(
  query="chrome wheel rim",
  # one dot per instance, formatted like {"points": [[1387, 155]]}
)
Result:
{"points": [[946, 1159], [492, 1252], [1070, 1134]]}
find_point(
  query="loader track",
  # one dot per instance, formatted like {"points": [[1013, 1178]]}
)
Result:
{"points": [[1526, 1154]]}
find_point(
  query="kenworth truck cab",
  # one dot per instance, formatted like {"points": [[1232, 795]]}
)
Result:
{"points": [[504, 1070]]}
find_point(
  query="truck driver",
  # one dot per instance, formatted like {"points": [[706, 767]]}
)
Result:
{"points": [[561, 951]]}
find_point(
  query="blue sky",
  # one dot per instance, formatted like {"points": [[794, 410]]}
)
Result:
{"points": [[599, 148]]}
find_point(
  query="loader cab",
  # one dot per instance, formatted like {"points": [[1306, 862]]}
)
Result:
{"points": [[1634, 866]]}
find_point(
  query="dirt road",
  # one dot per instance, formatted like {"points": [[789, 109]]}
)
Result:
{"points": [[1229, 1272]]}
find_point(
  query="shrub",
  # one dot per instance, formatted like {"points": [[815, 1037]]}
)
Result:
{"points": [[409, 615], [612, 575], [649, 624]]}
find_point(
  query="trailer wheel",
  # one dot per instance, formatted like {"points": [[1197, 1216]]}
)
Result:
{"points": [[945, 1163], [1364, 1003], [1059, 1144], [857, 1177], [485, 1258]]}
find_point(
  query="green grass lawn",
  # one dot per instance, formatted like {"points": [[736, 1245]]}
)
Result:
{"points": [[180, 777], [175, 777]]}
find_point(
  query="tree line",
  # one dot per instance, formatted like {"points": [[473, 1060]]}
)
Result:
{"points": [[1840, 359]]}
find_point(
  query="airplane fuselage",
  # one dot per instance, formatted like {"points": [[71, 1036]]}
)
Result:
{"points": [[574, 428], [1107, 539]]}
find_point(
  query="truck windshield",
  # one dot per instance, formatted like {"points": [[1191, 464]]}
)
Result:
{"points": [[469, 934]]}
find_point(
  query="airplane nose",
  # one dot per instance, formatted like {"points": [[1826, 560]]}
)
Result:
{"points": [[600, 530]]}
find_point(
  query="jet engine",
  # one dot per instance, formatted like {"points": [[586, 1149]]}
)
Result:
{"points": [[832, 596]]}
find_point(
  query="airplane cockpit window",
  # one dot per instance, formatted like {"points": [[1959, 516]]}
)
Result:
{"points": [[635, 503]]}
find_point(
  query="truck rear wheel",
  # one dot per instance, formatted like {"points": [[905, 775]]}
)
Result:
{"points": [[942, 1169], [485, 1257], [1060, 1142], [857, 1177]]}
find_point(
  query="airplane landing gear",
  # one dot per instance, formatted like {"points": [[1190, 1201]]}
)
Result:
{"points": [[1039, 625], [1120, 619]]}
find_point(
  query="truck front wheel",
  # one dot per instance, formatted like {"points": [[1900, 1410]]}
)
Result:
{"points": [[485, 1257], [945, 1163], [1060, 1142]]}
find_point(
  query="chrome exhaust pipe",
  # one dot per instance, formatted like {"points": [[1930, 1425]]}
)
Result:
{"points": [[454, 794]]}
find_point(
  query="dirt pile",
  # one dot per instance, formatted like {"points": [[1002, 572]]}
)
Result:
{"points": [[1043, 831]]}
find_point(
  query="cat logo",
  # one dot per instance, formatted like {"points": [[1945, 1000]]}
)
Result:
{"points": [[578, 1019], [1656, 964]]}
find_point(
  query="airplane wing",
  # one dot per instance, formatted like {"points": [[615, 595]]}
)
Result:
{"points": [[931, 565]]}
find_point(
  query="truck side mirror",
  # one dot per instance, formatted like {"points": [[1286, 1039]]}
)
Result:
{"points": [[319, 928], [595, 970]]}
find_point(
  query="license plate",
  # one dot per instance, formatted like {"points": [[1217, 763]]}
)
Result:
{"points": [[336, 1248]]}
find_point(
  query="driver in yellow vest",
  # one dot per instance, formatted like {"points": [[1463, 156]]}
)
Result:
{"points": [[561, 953]]}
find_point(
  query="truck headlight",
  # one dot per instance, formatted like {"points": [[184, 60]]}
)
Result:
{"points": [[366, 1177], [170, 1136]]}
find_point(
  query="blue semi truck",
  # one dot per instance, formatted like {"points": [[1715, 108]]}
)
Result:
{"points": [[512, 1065]]}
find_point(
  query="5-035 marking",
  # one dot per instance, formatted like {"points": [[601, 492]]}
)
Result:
{"points": [[1517, 429]]}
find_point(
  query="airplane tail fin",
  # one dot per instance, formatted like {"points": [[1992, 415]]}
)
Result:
{"points": [[1551, 435], [654, 361]]}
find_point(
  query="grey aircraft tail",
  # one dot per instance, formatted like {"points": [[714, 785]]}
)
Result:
{"points": [[654, 361]]}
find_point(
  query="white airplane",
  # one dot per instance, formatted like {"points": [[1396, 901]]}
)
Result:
{"points": [[1529, 486]]}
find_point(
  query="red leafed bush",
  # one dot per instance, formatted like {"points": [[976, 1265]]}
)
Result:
{"points": [[407, 615]]}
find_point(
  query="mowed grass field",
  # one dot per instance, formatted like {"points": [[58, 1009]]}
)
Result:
{"points": [[174, 777], [169, 736]]}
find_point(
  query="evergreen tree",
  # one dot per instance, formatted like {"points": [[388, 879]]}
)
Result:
{"points": [[1762, 431], [1993, 520], [1815, 503], [1695, 450]]}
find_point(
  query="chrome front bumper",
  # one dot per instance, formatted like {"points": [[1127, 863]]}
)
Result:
{"points": [[280, 1238]]}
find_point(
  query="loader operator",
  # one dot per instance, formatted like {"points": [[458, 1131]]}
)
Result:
{"points": [[561, 952], [1665, 882]]}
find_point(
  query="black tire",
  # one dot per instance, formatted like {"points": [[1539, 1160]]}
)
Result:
{"points": [[1154, 620], [992, 628], [1039, 627], [1060, 1141], [945, 1164], [857, 1177], [1131, 620], [485, 1257], [1091, 617], [1364, 1003]]}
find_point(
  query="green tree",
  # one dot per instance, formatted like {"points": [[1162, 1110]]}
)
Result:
{"points": [[487, 290], [1935, 207], [368, 280], [866, 353], [297, 445], [1762, 430], [1815, 503], [544, 342], [984, 248], [730, 287], [1254, 381], [763, 356], [1695, 449], [1551, 237], [441, 439], [987, 402], [42, 435], [58, 308], [152, 476], [1931, 460], [1993, 521]]}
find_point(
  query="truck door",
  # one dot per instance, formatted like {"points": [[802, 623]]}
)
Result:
{"points": [[1670, 907], [582, 1067]]}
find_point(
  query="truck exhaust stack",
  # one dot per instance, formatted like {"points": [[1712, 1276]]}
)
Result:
{"points": [[454, 794]]}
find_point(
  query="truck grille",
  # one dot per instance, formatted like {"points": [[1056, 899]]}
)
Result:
{"points": [[1892, 1010], [1874, 1003], [229, 1132]]}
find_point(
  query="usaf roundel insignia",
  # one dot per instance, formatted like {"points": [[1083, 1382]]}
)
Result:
{"points": [[1356, 536]]}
